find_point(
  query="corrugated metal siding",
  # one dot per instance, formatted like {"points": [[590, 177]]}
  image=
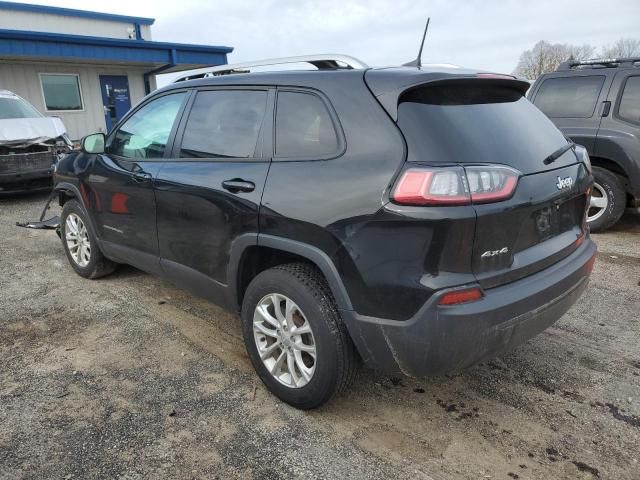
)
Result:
{"points": [[24, 79], [40, 22]]}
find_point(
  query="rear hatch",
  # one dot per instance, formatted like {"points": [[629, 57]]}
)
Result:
{"points": [[478, 124]]}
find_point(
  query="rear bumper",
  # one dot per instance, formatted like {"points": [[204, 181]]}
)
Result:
{"points": [[440, 339]]}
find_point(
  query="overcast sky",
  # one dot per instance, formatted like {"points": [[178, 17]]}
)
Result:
{"points": [[486, 34]]}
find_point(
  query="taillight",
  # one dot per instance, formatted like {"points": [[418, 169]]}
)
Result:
{"points": [[461, 296], [423, 186], [491, 183], [455, 185]]}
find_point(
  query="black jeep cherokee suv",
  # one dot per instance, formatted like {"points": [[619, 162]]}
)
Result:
{"points": [[596, 103], [417, 219]]}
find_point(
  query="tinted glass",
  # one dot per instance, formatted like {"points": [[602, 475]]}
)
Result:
{"points": [[224, 123], [574, 97], [630, 102], [61, 92], [304, 127], [468, 124], [11, 107], [145, 133]]}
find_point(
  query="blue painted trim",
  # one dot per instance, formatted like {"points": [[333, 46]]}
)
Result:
{"points": [[138, 32], [33, 44], [47, 37], [71, 12], [146, 75]]}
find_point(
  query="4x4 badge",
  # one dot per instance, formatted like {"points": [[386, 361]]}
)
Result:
{"points": [[493, 253], [565, 182]]}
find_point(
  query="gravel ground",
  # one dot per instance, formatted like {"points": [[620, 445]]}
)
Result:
{"points": [[128, 377]]}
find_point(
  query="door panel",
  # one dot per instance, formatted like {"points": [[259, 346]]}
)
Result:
{"points": [[574, 103], [119, 186], [208, 194], [198, 219], [619, 134], [115, 98], [123, 204]]}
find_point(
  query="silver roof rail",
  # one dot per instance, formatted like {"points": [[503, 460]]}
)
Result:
{"points": [[599, 62], [326, 61]]}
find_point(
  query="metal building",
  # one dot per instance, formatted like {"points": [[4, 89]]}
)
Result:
{"points": [[86, 67]]}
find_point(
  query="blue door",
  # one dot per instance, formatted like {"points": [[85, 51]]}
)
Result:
{"points": [[115, 98]]}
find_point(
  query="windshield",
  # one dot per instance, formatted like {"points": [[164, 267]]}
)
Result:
{"points": [[477, 123], [13, 107]]}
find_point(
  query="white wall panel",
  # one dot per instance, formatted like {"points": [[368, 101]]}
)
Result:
{"points": [[40, 22], [23, 79]]}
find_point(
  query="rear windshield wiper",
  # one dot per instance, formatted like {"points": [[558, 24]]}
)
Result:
{"points": [[558, 153]]}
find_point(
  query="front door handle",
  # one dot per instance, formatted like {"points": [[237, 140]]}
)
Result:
{"points": [[236, 185], [141, 177]]}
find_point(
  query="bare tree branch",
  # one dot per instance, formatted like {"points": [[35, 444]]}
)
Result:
{"points": [[625, 47], [545, 57]]}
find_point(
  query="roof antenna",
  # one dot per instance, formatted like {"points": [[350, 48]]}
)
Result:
{"points": [[418, 61]]}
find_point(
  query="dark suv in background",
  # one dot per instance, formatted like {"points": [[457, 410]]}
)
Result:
{"points": [[596, 103], [417, 219]]}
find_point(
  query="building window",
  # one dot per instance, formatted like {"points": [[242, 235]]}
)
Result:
{"points": [[61, 91]]}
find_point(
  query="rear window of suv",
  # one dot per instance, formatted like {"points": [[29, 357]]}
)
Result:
{"points": [[472, 122], [569, 97]]}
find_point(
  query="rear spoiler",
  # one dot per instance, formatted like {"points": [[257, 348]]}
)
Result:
{"points": [[388, 92]]}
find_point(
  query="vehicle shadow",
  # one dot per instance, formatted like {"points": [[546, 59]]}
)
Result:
{"points": [[630, 222]]}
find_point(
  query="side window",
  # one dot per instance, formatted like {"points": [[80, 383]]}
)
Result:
{"points": [[303, 126], [224, 123], [145, 134], [572, 97], [630, 101]]}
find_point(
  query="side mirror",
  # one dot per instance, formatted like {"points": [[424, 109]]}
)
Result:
{"points": [[93, 143]]}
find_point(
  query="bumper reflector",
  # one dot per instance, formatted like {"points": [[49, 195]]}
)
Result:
{"points": [[461, 296]]}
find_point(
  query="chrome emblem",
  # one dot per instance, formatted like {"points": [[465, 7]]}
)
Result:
{"points": [[566, 182], [493, 253]]}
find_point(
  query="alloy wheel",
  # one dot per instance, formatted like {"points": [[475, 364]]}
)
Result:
{"points": [[598, 203], [284, 340], [77, 238]]}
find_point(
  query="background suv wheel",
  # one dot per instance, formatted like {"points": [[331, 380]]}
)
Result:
{"points": [[294, 336], [608, 200]]}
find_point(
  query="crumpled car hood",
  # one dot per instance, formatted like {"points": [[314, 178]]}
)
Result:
{"points": [[22, 132]]}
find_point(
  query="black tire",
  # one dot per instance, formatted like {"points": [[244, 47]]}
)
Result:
{"points": [[616, 199], [98, 265], [336, 362]]}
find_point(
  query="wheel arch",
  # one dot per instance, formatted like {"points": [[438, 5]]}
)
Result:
{"points": [[609, 164], [68, 191], [252, 254]]}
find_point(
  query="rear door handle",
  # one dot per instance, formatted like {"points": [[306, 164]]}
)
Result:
{"points": [[141, 177], [236, 185]]}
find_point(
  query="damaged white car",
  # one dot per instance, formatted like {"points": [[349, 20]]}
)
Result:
{"points": [[30, 144]]}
